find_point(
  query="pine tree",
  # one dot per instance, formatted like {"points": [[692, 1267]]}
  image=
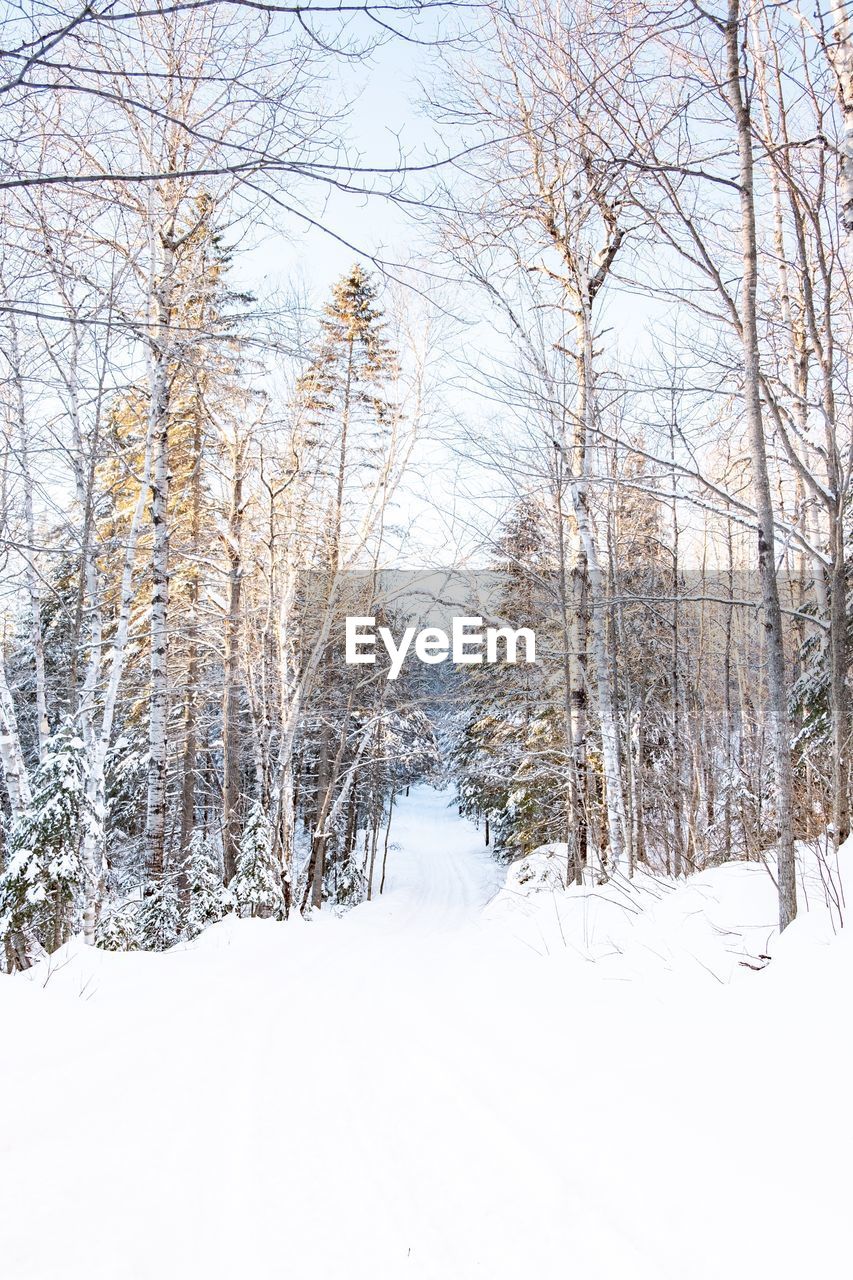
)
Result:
{"points": [[118, 926], [39, 888], [511, 753], [344, 392], [256, 888], [207, 898], [343, 397], [160, 915]]}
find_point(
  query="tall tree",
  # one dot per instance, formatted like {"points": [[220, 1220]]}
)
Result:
{"points": [[344, 397]]}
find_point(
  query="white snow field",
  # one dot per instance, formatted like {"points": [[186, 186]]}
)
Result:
{"points": [[443, 1084]]}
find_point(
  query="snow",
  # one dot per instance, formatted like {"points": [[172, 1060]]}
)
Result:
{"points": [[716, 923], [457, 1080]]}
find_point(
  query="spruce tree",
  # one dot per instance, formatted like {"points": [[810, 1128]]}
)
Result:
{"points": [[160, 915], [39, 888], [206, 896], [344, 392], [511, 753], [348, 411], [118, 926], [256, 888]]}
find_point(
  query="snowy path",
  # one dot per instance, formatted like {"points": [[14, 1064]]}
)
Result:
{"points": [[411, 1092], [439, 874]]}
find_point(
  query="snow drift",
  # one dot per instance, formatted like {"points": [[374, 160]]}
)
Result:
{"points": [[458, 1080]]}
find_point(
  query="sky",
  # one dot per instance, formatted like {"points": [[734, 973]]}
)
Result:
{"points": [[384, 121], [384, 118], [449, 500]]}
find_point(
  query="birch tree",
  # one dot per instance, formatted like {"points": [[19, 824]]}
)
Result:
{"points": [[557, 211]]}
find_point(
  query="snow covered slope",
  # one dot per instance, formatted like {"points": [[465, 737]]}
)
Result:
{"points": [[440, 1085], [714, 925]]}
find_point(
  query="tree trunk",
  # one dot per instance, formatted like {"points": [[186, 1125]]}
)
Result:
{"points": [[92, 855], [231, 691], [839, 692], [573, 623], [158, 723], [579, 473], [36, 638], [728, 701], [385, 847], [675, 682], [777, 692], [188, 777]]}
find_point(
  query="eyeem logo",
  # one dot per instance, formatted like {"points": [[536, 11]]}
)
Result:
{"points": [[469, 643]]}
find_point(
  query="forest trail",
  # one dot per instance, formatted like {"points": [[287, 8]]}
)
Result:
{"points": [[408, 1093], [439, 872]]}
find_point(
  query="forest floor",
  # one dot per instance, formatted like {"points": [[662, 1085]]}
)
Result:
{"points": [[458, 1080]]}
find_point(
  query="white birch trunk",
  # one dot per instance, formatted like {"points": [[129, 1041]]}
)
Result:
{"points": [[579, 488], [92, 853], [159, 622], [231, 687], [36, 634], [777, 691]]}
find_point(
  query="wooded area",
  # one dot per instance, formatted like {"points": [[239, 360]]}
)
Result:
{"points": [[624, 327]]}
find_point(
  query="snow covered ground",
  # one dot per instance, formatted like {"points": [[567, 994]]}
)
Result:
{"points": [[457, 1080]]}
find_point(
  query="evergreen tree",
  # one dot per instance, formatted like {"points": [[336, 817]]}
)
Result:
{"points": [[207, 899], [256, 888], [118, 927], [511, 752], [344, 393], [39, 887], [344, 400], [160, 915]]}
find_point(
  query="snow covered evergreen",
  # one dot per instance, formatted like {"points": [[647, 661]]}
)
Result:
{"points": [[256, 889], [159, 918], [207, 900], [40, 885]]}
